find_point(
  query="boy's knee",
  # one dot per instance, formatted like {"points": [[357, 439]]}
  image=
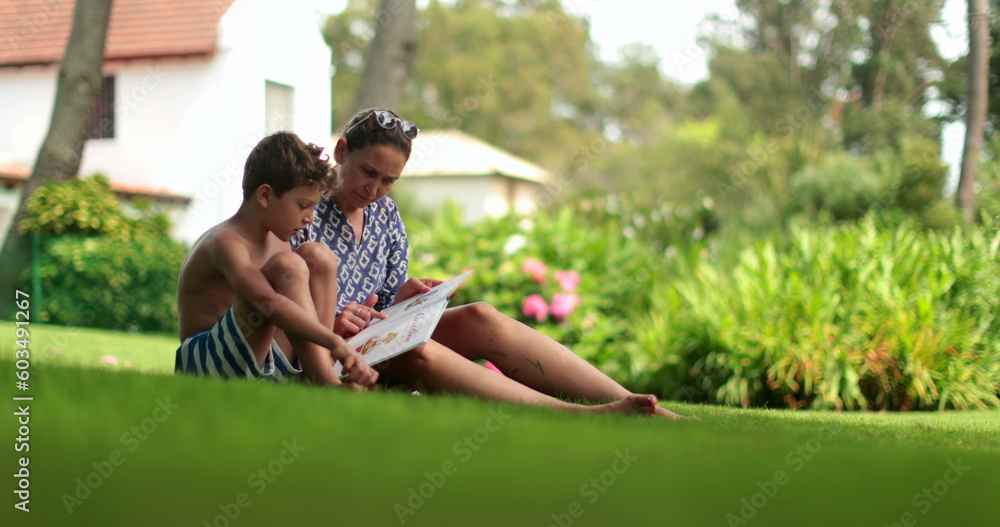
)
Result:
{"points": [[285, 268], [318, 257]]}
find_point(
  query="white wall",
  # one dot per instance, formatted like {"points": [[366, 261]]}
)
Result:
{"points": [[26, 97], [479, 196], [187, 125]]}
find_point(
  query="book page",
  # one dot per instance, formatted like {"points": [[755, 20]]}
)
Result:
{"points": [[438, 293], [411, 323]]}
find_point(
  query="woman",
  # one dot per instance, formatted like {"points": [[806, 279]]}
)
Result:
{"points": [[362, 226]]}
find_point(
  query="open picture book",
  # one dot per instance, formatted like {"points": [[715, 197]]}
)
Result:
{"points": [[410, 324]]}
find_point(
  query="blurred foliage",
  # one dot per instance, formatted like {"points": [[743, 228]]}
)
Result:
{"points": [[843, 186], [607, 242], [486, 67], [846, 186], [100, 266], [859, 316], [792, 87], [954, 88], [879, 314], [78, 206]]}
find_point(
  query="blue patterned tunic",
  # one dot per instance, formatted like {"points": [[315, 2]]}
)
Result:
{"points": [[375, 266]]}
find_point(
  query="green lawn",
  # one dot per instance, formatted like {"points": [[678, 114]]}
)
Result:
{"points": [[84, 347], [131, 447]]}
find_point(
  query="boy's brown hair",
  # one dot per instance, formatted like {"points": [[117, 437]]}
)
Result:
{"points": [[284, 161]]}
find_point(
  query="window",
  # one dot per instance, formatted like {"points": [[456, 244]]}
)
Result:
{"points": [[279, 107], [102, 121]]}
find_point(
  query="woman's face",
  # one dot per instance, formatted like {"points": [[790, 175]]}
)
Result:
{"points": [[366, 174]]}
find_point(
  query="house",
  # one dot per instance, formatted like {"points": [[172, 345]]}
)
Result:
{"points": [[449, 165], [190, 87]]}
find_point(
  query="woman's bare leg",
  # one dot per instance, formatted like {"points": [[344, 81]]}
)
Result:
{"points": [[433, 368], [479, 331]]}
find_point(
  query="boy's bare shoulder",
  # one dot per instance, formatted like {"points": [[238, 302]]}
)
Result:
{"points": [[204, 256]]}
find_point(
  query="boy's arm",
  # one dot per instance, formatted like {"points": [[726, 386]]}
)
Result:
{"points": [[233, 259]]}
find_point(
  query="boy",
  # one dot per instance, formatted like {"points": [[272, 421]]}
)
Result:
{"points": [[241, 281]]}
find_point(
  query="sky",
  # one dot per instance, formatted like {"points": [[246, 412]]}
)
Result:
{"points": [[672, 26]]}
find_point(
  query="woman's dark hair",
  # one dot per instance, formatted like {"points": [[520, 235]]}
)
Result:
{"points": [[285, 161], [368, 132]]}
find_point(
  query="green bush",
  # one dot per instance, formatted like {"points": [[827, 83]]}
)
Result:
{"points": [[853, 317], [100, 267], [78, 206], [107, 283], [868, 315], [843, 186], [616, 272], [922, 176]]}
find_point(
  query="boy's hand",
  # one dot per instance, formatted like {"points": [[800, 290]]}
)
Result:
{"points": [[415, 286], [354, 365], [356, 317]]}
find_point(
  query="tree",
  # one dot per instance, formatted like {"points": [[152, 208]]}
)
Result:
{"points": [[59, 158], [390, 56], [976, 114], [518, 74]]}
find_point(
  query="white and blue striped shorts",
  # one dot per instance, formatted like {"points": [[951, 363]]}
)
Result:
{"points": [[223, 351]]}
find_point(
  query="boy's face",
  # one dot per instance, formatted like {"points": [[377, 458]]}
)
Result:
{"points": [[366, 174], [293, 210]]}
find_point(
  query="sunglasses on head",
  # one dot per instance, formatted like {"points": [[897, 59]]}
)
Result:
{"points": [[388, 120]]}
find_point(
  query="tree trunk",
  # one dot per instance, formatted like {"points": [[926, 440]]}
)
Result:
{"points": [[390, 57], [77, 87], [975, 117]]}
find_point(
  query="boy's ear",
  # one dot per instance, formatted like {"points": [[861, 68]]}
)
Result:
{"points": [[339, 150], [264, 194]]}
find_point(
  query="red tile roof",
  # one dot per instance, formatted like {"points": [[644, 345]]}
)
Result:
{"points": [[35, 31], [13, 175]]}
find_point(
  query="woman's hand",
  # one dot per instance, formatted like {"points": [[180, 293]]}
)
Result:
{"points": [[356, 317], [415, 286]]}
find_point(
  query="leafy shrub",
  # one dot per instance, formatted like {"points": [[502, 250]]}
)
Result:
{"points": [[78, 206], [845, 187], [616, 273], [922, 176], [108, 283], [862, 315], [855, 317], [100, 267]]}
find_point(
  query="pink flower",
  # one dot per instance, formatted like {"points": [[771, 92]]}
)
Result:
{"points": [[534, 306], [535, 268], [563, 305], [489, 366], [110, 359], [568, 280]]}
